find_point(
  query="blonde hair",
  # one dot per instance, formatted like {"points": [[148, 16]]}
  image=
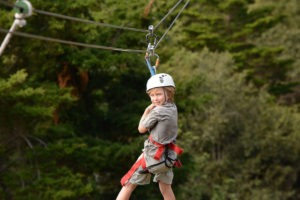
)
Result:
{"points": [[169, 91]]}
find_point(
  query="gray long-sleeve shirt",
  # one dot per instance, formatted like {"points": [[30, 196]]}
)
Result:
{"points": [[162, 123]]}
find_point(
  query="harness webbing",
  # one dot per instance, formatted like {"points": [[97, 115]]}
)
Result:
{"points": [[161, 148], [140, 162]]}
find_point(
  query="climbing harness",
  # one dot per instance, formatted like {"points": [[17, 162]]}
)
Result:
{"points": [[164, 149], [139, 163], [167, 163]]}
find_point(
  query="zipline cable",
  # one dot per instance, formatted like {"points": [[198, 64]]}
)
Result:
{"points": [[171, 25], [27, 35], [170, 11], [96, 23], [86, 21], [104, 24], [151, 47], [77, 19]]}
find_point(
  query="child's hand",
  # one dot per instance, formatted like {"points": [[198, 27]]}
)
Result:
{"points": [[141, 128], [149, 108]]}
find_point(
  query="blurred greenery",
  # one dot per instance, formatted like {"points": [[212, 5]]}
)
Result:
{"points": [[69, 114]]}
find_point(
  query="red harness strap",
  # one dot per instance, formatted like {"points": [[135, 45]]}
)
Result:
{"points": [[161, 148], [140, 162]]}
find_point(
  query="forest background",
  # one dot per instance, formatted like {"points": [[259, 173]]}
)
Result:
{"points": [[69, 114]]}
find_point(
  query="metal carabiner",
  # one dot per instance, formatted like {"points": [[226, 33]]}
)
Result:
{"points": [[150, 50], [152, 68]]}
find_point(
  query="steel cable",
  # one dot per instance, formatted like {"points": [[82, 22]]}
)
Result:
{"points": [[77, 19], [32, 36], [171, 25], [27, 35], [87, 21], [170, 11]]}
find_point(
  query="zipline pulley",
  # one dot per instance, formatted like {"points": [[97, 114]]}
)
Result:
{"points": [[23, 9], [151, 39]]}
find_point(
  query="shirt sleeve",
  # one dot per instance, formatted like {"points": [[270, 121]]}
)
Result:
{"points": [[150, 121]]}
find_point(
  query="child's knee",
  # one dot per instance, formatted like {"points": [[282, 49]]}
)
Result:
{"points": [[164, 187], [129, 186]]}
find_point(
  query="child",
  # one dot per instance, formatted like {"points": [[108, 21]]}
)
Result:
{"points": [[159, 153]]}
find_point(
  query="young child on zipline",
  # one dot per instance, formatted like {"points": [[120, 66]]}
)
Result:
{"points": [[160, 152]]}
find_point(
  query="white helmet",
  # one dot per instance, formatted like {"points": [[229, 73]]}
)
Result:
{"points": [[160, 80]]}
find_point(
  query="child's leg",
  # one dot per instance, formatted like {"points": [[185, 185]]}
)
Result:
{"points": [[126, 191], [166, 191]]}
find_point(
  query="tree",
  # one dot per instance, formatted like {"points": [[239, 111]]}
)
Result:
{"points": [[285, 35], [24, 110], [233, 26], [239, 138], [104, 89], [69, 114]]}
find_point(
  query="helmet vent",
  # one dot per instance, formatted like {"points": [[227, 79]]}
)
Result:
{"points": [[161, 79]]}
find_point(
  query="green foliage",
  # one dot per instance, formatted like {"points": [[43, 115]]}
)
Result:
{"points": [[240, 141], [233, 26], [23, 108], [231, 61], [67, 186], [279, 36]]}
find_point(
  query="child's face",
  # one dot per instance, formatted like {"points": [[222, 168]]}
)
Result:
{"points": [[157, 96]]}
